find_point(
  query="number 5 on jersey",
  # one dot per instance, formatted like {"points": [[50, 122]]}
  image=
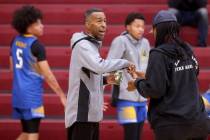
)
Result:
{"points": [[19, 54]]}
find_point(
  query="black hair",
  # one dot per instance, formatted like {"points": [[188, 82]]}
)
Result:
{"points": [[168, 32], [132, 16], [92, 10], [24, 17]]}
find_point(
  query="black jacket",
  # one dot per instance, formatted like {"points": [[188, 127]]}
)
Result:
{"points": [[171, 84], [187, 5]]}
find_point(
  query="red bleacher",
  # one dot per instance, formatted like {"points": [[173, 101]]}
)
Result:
{"points": [[119, 2], [62, 77], [74, 14], [53, 129], [56, 35], [54, 56], [62, 18]]}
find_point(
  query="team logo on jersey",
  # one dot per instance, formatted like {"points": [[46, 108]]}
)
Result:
{"points": [[143, 53], [177, 63], [182, 67]]}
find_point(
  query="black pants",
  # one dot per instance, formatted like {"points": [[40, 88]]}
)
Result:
{"points": [[31, 126], [208, 125], [83, 131], [197, 18], [196, 131], [132, 131]]}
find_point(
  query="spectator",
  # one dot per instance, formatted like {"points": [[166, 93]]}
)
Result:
{"points": [[30, 67], [131, 46], [176, 110], [84, 108], [192, 13]]}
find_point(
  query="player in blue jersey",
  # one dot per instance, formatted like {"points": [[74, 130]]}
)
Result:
{"points": [[30, 68], [206, 99]]}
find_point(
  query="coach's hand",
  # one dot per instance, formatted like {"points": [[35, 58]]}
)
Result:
{"points": [[140, 74], [131, 68], [111, 79], [105, 106]]}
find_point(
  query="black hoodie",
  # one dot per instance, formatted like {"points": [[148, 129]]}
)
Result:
{"points": [[171, 84]]}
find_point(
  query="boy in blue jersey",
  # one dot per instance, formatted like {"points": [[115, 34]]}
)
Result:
{"points": [[30, 68]]}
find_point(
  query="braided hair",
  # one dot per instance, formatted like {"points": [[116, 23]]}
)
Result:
{"points": [[168, 32]]}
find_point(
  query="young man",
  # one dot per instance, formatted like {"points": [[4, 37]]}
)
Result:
{"points": [[131, 46], [84, 108], [176, 110], [30, 68]]}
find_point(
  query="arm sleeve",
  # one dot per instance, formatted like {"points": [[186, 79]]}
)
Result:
{"points": [[38, 51], [91, 60], [156, 82], [117, 49]]}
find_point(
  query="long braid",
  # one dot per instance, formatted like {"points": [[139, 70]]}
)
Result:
{"points": [[168, 32]]}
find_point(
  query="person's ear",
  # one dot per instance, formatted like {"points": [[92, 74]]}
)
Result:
{"points": [[154, 31], [86, 23], [28, 30], [128, 28]]}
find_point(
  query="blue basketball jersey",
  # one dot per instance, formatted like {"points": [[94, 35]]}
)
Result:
{"points": [[27, 82]]}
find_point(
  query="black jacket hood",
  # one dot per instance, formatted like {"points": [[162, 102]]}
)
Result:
{"points": [[175, 51]]}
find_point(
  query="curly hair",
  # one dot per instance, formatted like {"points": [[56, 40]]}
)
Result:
{"points": [[132, 16], [24, 17]]}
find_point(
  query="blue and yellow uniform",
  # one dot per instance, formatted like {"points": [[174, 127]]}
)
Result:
{"points": [[131, 112], [27, 82], [206, 96]]}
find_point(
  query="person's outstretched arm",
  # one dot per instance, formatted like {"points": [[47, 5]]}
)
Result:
{"points": [[156, 80], [155, 83], [39, 52], [93, 61], [51, 80]]}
